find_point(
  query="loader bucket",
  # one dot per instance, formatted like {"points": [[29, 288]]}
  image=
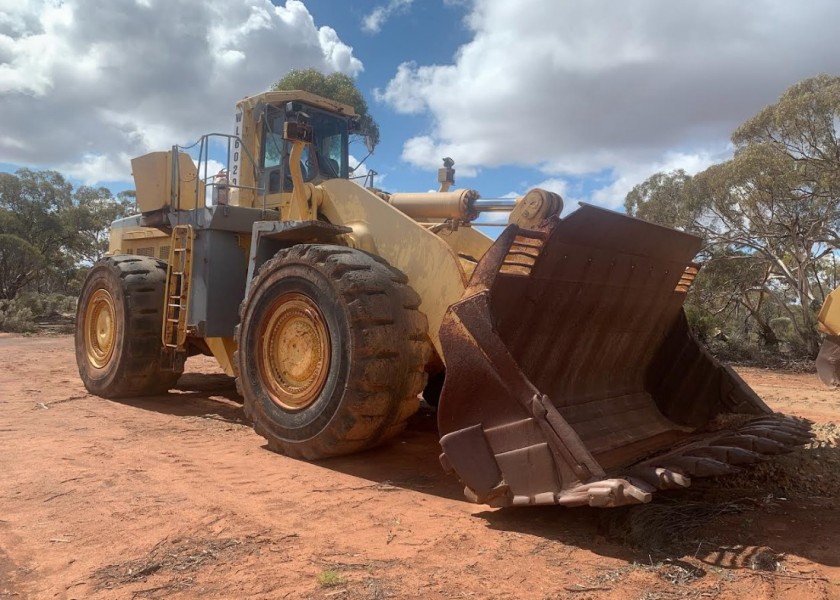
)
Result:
{"points": [[572, 376]]}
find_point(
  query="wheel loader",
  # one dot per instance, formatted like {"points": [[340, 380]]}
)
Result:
{"points": [[569, 373]]}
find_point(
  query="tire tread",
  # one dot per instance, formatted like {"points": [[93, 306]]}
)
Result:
{"points": [[139, 373], [391, 349]]}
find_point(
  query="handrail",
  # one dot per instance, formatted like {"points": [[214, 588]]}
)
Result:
{"points": [[203, 161]]}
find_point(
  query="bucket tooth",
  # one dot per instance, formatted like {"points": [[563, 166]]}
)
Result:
{"points": [[661, 478], [789, 426], [608, 493], [779, 435], [762, 445], [637, 489], [697, 466], [786, 421], [793, 428], [727, 454]]}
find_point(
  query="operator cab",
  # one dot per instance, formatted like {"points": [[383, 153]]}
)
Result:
{"points": [[325, 158], [259, 155]]}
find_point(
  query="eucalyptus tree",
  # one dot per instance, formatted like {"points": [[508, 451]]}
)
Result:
{"points": [[773, 209]]}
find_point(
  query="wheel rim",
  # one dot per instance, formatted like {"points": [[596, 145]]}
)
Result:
{"points": [[100, 328], [294, 352]]}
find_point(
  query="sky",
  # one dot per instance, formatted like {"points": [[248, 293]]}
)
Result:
{"points": [[584, 98]]}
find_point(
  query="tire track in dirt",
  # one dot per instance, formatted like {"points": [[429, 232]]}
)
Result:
{"points": [[180, 486]]}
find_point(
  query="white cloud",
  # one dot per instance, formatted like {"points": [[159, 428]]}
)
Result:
{"points": [[587, 87], [556, 185], [360, 171], [426, 152], [85, 84], [94, 168], [629, 174], [373, 22]]}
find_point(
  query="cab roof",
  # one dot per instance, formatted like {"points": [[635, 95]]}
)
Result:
{"points": [[281, 97]]}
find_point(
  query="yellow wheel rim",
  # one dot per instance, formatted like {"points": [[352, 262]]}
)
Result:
{"points": [[294, 352], [100, 328]]}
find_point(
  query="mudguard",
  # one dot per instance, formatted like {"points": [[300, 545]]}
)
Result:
{"points": [[572, 376]]}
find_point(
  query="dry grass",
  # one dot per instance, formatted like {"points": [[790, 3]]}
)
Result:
{"points": [[330, 578], [661, 526], [807, 472], [172, 562]]}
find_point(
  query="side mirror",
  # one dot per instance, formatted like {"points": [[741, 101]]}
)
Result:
{"points": [[299, 130]]}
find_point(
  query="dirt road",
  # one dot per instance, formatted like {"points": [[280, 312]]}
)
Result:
{"points": [[175, 497]]}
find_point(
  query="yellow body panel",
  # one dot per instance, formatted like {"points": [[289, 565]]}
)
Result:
{"points": [[153, 180], [432, 267], [468, 243], [143, 241], [222, 349], [829, 317]]}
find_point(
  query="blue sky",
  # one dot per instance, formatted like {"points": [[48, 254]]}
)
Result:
{"points": [[583, 98], [430, 30]]}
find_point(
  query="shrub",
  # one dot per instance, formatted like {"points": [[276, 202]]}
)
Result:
{"points": [[16, 318], [22, 314]]}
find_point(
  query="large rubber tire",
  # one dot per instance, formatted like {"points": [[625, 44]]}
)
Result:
{"points": [[127, 362], [378, 347]]}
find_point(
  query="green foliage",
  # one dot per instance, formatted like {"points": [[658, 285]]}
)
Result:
{"points": [[19, 263], [330, 578], [94, 210], [338, 87], [769, 218], [15, 318], [49, 231], [703, 323], [667, 199], [21, 314], [47, 306]]}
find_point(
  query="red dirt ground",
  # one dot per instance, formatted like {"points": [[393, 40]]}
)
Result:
{"points": [[176, 497]]}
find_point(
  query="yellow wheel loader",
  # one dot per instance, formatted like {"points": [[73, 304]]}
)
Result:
{"points": [[569, 373]]}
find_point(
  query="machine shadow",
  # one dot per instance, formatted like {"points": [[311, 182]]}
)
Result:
{"points": [[717, 524], [723, 539], [714, 524], [211, 395], [410, 461]]}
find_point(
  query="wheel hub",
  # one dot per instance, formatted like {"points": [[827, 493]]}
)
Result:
{"points": [[294, 352], [100, 328]]}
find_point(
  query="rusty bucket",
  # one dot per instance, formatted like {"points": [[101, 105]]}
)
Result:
{"points": [[572, 376]]}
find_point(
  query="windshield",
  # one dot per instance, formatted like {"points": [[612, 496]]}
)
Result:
{"points": [[329, 145]]}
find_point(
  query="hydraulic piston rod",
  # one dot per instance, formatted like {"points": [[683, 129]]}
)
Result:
{"points": [[465, 205], [494, 204]]}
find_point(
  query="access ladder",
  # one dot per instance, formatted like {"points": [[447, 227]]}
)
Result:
{"points": [[177, 295]]}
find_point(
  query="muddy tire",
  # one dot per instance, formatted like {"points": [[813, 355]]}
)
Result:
{"points": [[331, 351], [118, 328]]}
